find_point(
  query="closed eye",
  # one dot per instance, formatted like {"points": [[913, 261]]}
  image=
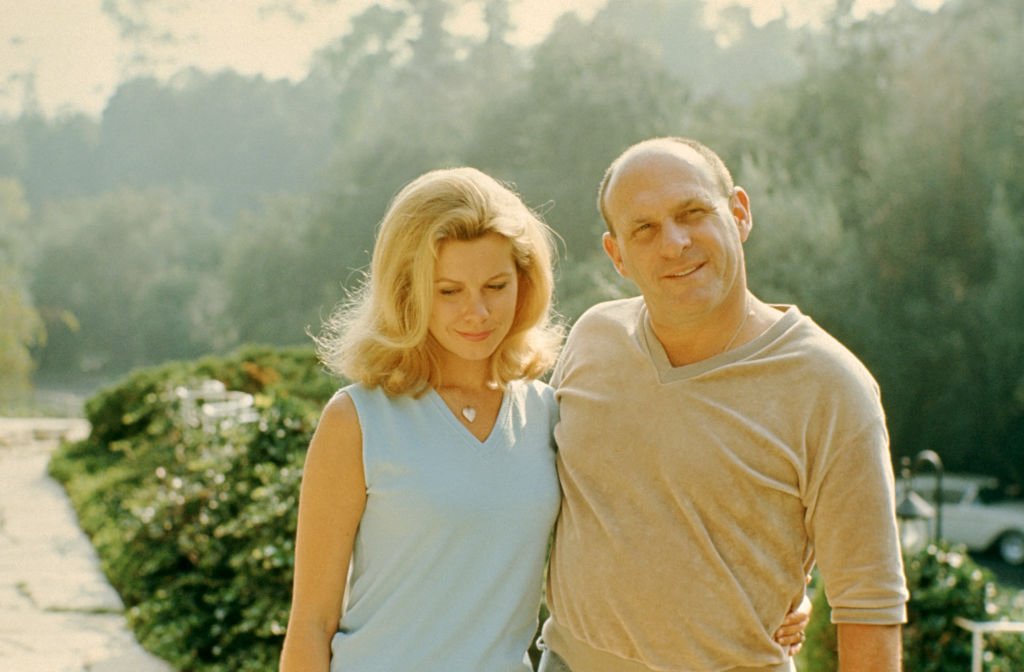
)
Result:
{"points": [[642, 228], [695, 211]]}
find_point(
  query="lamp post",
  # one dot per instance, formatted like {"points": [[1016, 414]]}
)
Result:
{"points": [[913, 512], [932, 458]]}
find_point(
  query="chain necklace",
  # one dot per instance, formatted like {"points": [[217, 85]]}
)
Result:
{"points": [[748, 311], [467, 411]]}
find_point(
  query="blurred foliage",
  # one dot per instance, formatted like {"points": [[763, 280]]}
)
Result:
{"points": [[21, 327], [195, 529], [133, 307], [944, 583], [881, 155]]}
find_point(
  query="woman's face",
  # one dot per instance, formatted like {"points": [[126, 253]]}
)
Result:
{"points": [[476, 286]]}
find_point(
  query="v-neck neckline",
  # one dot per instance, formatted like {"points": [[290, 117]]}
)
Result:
{"points": [[499, 419], [789, 315]]}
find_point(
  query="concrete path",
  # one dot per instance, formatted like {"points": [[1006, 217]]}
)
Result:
{"points": [[57, 611]]}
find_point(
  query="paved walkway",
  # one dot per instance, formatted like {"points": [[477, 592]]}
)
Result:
{"points": [[57, 611]]}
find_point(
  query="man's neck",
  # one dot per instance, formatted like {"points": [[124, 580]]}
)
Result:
{"points": [[698, 340]]}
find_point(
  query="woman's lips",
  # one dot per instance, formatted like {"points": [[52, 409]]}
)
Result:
{"points": [[476, 335]]}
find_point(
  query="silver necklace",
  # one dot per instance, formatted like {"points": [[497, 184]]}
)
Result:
{"points": [[743, 322], [468, 411]]}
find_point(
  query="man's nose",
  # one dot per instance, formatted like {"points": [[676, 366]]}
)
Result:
{"points": [[675, 238]]}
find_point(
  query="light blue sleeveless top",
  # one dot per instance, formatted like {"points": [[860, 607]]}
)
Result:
{"points": [[448, 561]]}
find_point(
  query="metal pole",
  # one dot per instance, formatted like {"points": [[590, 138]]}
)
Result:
{"points": [[932, 458]]}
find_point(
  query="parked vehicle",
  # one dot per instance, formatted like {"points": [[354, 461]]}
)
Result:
{"points": [[976, 514]]}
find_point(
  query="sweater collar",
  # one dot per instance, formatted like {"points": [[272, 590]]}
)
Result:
{"points": [[789, 316]]}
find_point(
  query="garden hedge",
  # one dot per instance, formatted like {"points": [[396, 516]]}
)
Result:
{"points": [[195, 529]]}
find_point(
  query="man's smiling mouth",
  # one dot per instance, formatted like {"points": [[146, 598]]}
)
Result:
{"points": [[682, 273]]}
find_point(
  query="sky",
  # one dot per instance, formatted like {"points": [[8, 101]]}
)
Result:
{"points": [[77, 55]]}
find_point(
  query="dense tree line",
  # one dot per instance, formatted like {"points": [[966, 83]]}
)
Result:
{"points": [[882, 157]]}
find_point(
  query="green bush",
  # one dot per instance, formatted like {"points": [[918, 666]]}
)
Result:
{"points": [[139, 403], [195, 529], [944, 583]]}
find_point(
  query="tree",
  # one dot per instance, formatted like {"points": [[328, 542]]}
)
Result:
{"points": [[407, 100], [270, 295], [939, 207], [236, 138], [798, 251], [993, 384], [52, 158], [589, 93], [20, 325], [125, 267]]}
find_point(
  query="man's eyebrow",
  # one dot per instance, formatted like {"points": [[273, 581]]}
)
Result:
{"points": [[700, 201]]}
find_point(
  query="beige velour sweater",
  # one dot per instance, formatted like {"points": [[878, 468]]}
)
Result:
{"points": [[697, 499]]}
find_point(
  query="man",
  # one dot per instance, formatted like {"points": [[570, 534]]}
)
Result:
{"points": [[712, 448]]}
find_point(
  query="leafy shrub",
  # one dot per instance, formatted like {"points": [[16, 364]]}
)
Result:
{"points": [[944, 583], [139, 403], [195, 530]]}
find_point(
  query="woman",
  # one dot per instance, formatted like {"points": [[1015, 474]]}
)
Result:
{"points": [[427, 497]]}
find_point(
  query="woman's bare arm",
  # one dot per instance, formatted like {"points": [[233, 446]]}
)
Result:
{"points": [[331, 504]]}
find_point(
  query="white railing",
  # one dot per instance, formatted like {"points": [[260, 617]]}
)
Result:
{"points": [[978, 631]]}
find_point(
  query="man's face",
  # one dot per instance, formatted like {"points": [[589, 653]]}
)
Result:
{"points": [[677, 236]]}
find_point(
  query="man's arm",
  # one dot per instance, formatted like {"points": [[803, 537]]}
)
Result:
{"points": [[870, 648]]}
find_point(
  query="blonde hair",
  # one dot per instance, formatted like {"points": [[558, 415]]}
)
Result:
{"points": [[379, 336]]}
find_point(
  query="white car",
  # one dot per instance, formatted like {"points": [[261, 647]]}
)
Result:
{"points": [[974, 515]]}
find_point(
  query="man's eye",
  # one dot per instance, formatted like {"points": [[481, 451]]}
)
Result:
{"points": [[498, 285]]}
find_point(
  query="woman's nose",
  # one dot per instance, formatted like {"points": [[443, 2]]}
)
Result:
{"points": [[478, 306]]}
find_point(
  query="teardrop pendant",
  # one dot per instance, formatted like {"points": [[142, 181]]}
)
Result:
{"points": [[469, 413]]}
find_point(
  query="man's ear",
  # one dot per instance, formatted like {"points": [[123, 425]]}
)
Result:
{"points": [[611, 248], [739, 206]]}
